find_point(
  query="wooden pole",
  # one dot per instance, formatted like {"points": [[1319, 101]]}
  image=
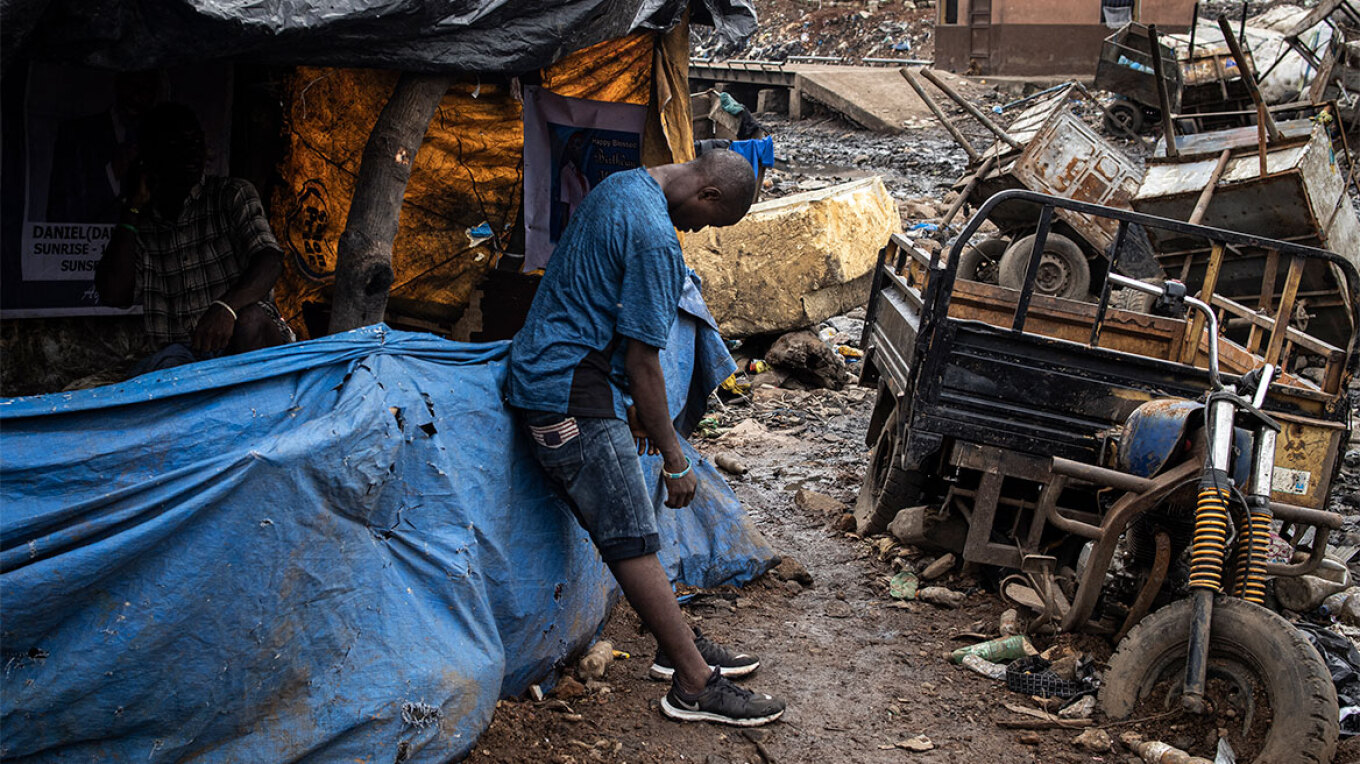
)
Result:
{"points": [[1244, 68], [971, 109], [363, 268], [977, 177], [940, 115], [1163, 97], [1202, 205]]}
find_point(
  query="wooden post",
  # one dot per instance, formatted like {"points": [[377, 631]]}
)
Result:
{"points": [[1206, 293], [1249, 79], [1202, 204], [363, 267], [940, 115], [977, 177], [1163, 97], [1285, 311]]}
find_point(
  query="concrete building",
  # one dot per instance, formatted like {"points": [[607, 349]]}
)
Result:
{"points": [[1041, 37]]}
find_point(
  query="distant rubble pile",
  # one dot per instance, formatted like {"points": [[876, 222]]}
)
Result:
{"points": [[853, 31]]}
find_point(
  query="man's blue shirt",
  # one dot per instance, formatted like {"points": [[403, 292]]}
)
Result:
{"points": [[615, 277]]}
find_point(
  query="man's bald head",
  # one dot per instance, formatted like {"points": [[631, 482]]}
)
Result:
{"points": [[714, 190]]}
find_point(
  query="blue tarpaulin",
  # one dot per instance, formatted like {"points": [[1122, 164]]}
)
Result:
{"points": [[333, 550]]}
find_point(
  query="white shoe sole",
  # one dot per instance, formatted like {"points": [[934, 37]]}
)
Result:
{"points": [[684, 715], [659, 672]]}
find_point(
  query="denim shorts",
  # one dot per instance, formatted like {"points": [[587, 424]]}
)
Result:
{"points": [[594, 462]]}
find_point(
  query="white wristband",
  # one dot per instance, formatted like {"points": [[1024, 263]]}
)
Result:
{"points": [[228, 307]]}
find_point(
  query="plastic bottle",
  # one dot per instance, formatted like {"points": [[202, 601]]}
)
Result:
{"points": [[985, 667], [996, 650]]}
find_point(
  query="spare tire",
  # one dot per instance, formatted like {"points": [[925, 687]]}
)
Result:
{"points": [[1246, 642], [1063, 270], [980, 262]]}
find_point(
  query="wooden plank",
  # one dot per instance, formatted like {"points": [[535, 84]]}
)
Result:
{"points": [[1206, 293], [1263, 322], [1285, 310], [1272, 267], [1202, 204]]}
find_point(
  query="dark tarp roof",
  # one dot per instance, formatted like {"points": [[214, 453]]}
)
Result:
{"points": [[486, 36]]}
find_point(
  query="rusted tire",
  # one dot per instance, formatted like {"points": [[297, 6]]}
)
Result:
{"points": [[887, 488], [1063, 270], [979, 263], [1249, 644], [1123, 114]]}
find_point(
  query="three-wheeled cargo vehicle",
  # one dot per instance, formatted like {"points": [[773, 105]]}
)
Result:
{"points": [[1136, 474]]}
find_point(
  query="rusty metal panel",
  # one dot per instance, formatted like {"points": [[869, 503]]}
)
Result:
{"points": [[1067, 158]]}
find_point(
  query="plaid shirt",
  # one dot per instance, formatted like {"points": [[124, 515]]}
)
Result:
{"points": [[185, 264]]}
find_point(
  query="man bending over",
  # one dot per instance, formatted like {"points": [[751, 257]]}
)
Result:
{"points": [[603, 311]]}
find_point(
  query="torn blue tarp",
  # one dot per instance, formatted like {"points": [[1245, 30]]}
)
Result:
{"points": [[335, 550]]}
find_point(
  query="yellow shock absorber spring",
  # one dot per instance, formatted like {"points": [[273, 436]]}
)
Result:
{"points": [[1254, 589], [1241, 520], [1210, 545]]}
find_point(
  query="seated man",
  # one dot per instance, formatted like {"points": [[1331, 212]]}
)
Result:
{"points": [[601, 315], [198, 250]]}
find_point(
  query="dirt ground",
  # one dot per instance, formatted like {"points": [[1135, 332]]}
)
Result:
{"points": [[859, 673]]}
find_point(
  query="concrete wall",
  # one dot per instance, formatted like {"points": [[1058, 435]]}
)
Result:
{"points": [[1043, 37]]}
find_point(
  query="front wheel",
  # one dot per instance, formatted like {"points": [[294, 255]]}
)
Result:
{"points": [[1254, 656]]}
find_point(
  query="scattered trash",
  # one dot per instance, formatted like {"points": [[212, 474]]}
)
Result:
{"points": [[919, 744], [1303, 594], [480, 233], [730, 464], [938, 568], [536, 692], [419, 714], [757, 366], [985, 667], [1033, 675], [1344, 606], [903, 585], [736, 385], [996, 650], [1081, 708], [925, 227], [1156, 752], [596, 661], [1343, 661], [1225, 753], [939, 595]]}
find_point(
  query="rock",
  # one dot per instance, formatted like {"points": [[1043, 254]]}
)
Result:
{"points": [[790, 569], [1029, 738], [1095, 740], [596, 661], [1009, 624], [817, 503], [846, 524], [568, 688], [929, 245], [1315, 374], [939, 595], [1065, 668], [792, 588], [1304, 593], [809, 359], [938, 568], [858, 314], [1081, 708], [796, 261], [838, 609], [1352, 457], [731, 464], [919, 744], [1344, 606]]}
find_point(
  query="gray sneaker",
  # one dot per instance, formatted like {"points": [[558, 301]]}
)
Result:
{"points": [[723, 702], [715, 655]]}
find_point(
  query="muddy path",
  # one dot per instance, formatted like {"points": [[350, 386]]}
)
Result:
{"points": [[860, 672]]}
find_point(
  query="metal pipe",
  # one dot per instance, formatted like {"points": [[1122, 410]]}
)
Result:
{"points": [[1318, 518], [973, 110], [1309, 564], [1090, 473], [940, 115], [1197, 650], [898, 61], [1211, 320]]}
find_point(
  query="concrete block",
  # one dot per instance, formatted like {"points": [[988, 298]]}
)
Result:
{"points": [[794, 262], [772, 100]]}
